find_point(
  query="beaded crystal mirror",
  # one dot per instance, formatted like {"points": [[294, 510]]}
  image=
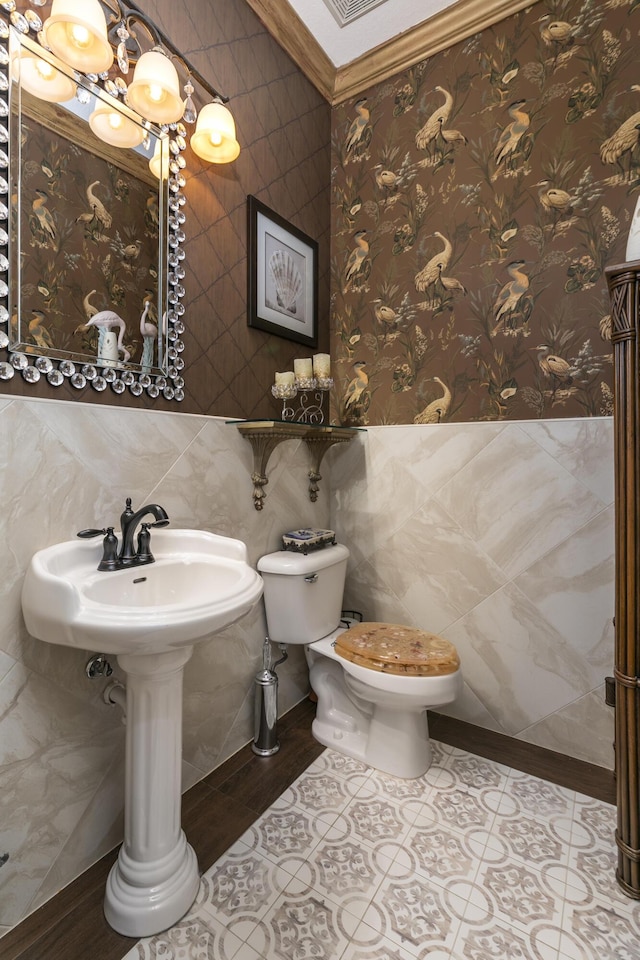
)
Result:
{"points": [[91, 233]]}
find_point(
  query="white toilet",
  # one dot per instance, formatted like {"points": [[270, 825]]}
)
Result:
{"points": [[373, 709]]}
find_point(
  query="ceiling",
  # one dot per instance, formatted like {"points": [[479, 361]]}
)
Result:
{"points": [[342, 61], [379, 23]]}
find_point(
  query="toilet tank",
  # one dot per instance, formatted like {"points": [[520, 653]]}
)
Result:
{"points": [[303, 593]]}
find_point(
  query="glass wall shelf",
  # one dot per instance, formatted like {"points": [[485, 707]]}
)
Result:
{"points": [[265, 435]]}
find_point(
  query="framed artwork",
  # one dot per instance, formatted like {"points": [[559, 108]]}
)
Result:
{"points": [[283, 276]]}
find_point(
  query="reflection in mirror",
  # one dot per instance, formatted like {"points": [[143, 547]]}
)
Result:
{"points": [[91, 235]]}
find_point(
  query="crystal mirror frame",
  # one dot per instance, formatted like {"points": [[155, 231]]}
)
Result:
{"points": [[85, 371]]}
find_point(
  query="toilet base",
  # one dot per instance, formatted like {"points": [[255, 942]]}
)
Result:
{"points": [[393, 741], [413, 763]]}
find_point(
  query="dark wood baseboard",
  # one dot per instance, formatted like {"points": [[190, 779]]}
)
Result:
{"points": [[587, 778], [218, 810]]}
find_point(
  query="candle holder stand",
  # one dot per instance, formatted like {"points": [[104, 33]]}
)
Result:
{"points": [[310, 392]]}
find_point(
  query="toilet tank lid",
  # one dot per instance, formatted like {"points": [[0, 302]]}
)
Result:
{"points": [[296, 564]]}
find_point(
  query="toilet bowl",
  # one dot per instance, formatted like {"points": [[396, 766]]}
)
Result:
{"points": [[372, 694]]}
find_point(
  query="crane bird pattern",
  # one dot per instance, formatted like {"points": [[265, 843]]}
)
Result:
{"points": [[92, 242], [478, 197]]}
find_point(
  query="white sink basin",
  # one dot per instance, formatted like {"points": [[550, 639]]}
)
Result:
{"points": [[150, 616], [199, 584]]}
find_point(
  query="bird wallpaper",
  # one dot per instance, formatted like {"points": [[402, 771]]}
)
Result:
{"points": [[477, 199], [89, 250]]}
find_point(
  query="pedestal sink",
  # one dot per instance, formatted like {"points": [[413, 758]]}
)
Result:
{"points": [[149, 616]]}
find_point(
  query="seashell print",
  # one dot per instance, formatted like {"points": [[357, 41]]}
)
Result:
{"points": [[287, 279]]}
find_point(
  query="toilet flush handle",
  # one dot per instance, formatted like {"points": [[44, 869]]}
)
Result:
{"points": [[312, 578]]}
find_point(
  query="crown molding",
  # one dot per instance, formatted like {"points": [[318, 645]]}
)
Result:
{"points": [[452, 25], [336, 84]]}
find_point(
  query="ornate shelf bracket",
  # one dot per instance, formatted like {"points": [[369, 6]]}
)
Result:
{"points": [[265, 435], [318, 444]]}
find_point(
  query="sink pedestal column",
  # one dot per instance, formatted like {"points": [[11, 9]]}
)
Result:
{"points": [[156, 878]]}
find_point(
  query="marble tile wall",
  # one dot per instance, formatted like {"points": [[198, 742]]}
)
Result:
{"points": [[68, 466], [499, 537]]}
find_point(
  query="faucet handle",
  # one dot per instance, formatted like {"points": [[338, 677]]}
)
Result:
{"points": [[143, 553], [109, 544]]}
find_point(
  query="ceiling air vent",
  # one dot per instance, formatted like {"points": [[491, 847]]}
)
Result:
{"points": [[347, 10]]}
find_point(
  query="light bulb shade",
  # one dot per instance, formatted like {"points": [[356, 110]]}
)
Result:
{"points": [[214, 138], [76, 32], [41, 78], [154, 92], [111, 126], [159, 163]]}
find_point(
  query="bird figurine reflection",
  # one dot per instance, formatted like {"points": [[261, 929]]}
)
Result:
{"points": [[105, 321], [149, 333]]}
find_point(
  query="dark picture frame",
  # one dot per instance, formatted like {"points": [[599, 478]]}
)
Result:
{"points": [[282, 276]]}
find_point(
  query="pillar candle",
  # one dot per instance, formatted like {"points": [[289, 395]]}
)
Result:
{"points": [[322, 366], [285, 379], [303, 369]]}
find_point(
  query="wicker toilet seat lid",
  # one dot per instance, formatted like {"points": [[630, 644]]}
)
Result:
{"points": [[393, 648]]}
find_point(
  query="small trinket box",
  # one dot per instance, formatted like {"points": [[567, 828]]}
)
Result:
{"points": [[307, 539]]}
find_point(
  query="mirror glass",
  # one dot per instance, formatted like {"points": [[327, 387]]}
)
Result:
{"points": [[90, 237]]}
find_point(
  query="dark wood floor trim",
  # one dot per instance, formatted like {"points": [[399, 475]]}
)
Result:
{"points": [[586, 778], [218, 810]]}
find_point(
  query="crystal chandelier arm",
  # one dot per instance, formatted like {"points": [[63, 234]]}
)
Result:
{"points": [[130, 13]]}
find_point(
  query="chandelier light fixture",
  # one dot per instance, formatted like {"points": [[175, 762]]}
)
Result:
{"points": [[77, 33], [113, 127], [159, 163], [104, 38], [215, 134], [42, 79]]}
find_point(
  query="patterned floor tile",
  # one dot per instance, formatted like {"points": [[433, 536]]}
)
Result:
{"points": [[515, 894], [285, 835], [539, 799], [439, 854], [197, 937], [347, 872], [598, 930], [491, 940], [470, 862], [337, 765], [460, 809], [415, 915], [476, 772], [239, 889], [301, 924], [323, 795], [536, 843]]}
